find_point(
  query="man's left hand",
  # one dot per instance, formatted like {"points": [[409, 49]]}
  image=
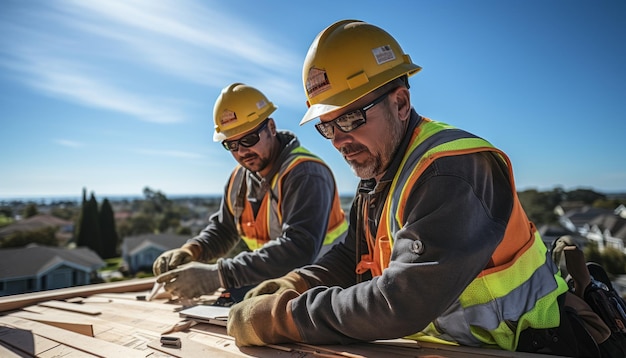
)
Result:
{"points": [[191, 280]]}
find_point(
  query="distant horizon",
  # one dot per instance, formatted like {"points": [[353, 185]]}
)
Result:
{"points": [[48, 198]]}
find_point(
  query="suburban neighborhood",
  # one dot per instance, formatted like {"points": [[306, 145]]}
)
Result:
{"points": [[36, 267]]}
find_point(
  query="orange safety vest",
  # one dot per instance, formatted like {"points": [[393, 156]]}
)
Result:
{"points": [[267, 225], [520, 259]]}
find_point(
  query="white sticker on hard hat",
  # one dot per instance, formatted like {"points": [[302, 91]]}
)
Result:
{"points": [[316, 82], [383, 54], [227, 117], [260, 104]]}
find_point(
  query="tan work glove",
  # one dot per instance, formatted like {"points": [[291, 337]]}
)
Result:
{"points": [[191, 280], [263, 320], [171, 259], [291, 281]]}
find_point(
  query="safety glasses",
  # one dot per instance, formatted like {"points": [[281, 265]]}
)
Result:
{"points": [[349, 121], [247, 141]]}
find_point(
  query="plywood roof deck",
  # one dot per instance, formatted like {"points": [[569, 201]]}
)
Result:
{"points": [[113, 320]]}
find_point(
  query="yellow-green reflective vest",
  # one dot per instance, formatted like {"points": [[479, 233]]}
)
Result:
{"points": [[520, 286], [267, 225]]}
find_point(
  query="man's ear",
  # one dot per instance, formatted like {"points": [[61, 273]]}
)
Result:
{"points": [[272, 126], [403, 100]]}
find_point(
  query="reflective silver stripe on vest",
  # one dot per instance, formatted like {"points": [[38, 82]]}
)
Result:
{"points": [[442, 137]]}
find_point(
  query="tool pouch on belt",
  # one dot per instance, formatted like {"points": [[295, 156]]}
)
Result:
{"points": [[572, 338], [593, 302]]}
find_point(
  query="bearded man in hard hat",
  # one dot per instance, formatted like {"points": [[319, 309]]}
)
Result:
{"points": [[439, 247], [281, 200]]}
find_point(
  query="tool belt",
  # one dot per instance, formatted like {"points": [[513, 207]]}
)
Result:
{"points": [[572, 338], [592, 320]]}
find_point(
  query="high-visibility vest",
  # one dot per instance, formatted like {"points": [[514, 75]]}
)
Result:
{"points": [[520, 262], [267, 225]]}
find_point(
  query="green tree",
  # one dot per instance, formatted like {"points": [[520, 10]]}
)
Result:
{"points": [[6, 215], [30, 210], [592, 253], [125, 228], [89, 226], [44, 236], [586, 196], [142, 224], [66, 211], [539, 206], [108, 230], [165, 215], [614, 261], [608, 203]]}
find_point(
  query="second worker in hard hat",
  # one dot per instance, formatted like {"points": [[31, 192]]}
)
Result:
{"points": [[281, 199]]}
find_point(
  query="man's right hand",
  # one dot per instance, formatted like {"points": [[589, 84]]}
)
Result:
{"points": [[170, 260], [291, 281]]}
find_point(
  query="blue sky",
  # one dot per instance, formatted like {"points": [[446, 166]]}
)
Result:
{"points": [[115, 96]]}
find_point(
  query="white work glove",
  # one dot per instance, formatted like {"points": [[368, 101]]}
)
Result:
{"points": [[170, 260], [191, 280]]}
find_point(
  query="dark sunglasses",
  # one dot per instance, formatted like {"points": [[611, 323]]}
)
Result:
{"points": [[349, 121], [247, 141]]}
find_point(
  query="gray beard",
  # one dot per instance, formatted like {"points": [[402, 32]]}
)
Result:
{"points": [[377, 163]]}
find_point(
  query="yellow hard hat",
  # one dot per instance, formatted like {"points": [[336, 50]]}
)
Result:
{"points": [[238, 109], [348, 60]]}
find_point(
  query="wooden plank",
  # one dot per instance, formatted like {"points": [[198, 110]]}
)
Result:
{"points": [[190, 348], [225, 343], [58, 321], [134, 327], [128, 296], [65, 352], [24, 340], [34, 309], [129, 333], [12, 302], [94, 299], [73, 307], [86, 344]]}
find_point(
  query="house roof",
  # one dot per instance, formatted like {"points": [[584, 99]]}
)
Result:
{"points": [[34, 260], [163, 241], [614, 223], [582, 216], [33, 223]]}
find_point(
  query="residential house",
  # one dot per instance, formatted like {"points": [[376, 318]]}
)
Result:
{"points": [[608, 230], [604, 227], [65, 228], [575, 220], [139, 252], [38, 268]]}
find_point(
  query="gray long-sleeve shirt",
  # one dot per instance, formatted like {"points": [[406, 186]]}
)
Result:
{"points": [[307, 191], [458, 208]]}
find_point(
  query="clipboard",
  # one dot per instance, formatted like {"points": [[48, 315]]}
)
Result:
{"points": [[217, 315]]}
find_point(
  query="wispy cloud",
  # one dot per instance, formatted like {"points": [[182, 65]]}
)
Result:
{"points": [[113, 55], [68, 143], [170, 153], [66, 81], [199, 25]]}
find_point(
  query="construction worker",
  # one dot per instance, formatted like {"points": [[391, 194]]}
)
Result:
{"points": [[281, 200], [439, 247]]}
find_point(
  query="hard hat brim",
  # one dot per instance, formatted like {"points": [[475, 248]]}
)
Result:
{"points": [[317, 110]]}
